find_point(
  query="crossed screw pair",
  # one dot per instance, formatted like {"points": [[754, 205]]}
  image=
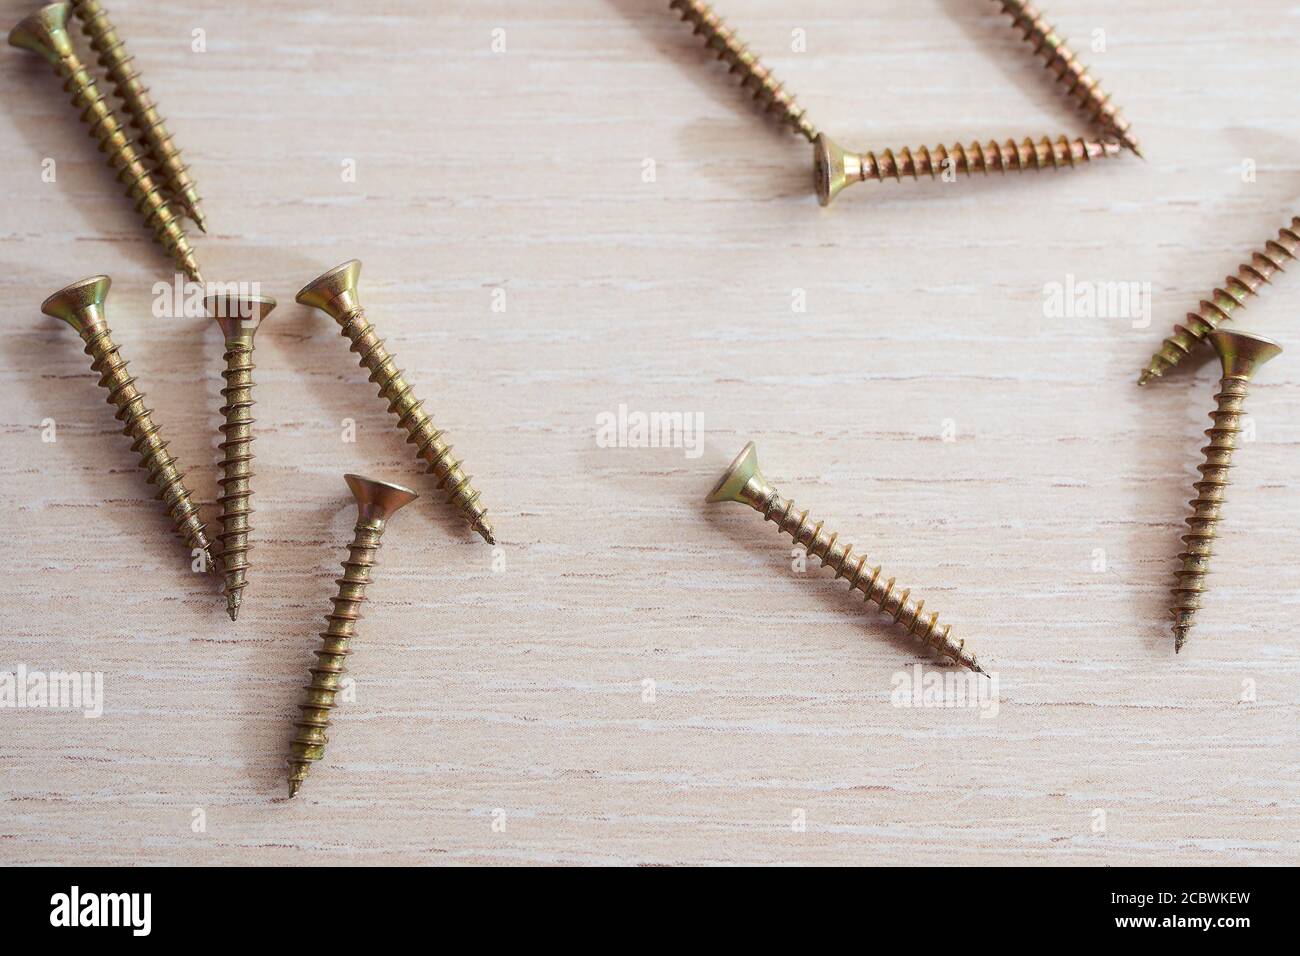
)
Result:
{"points": [[835, 168], [152, 171]]}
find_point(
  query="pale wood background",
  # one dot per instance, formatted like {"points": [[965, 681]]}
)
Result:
{"points": [[521, 688]]}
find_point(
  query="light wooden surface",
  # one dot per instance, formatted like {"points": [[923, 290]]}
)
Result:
{"points": [[510, 688]]}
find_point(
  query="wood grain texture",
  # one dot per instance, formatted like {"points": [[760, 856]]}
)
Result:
{"points": [[514, 682]]}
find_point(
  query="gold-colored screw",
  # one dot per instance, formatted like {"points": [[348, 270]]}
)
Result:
{"points": [[81, 305], [1221, 305], [1242, 355], [239, 316], [335, 293], [753, 75], [1088, 96], [377, 501], [743, 482], [118, 64], [834, 168], [45, 33]]}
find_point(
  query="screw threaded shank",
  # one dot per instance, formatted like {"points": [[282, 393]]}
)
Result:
{"points": [[335, 293], [309, 740], [990, 157], [1203, 522], [236, 470], [1086, 93], [376, 503], [769, 92], [1223, 302], [146, 440], [896, 604], [45, 33], [121, 71]]}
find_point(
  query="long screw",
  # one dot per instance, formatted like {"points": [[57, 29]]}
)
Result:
{"points": [[239, 316], [1242, 355], [744, 482], [377, 501], [1088, 96], [1219, 308], [119, 66], [81, 305], [753, 75], [335, 293], [834, 168], [45, 33]]}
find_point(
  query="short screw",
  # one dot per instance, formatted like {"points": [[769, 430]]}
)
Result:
{"points": [[82, 306], [45, 33], [377, 501], [1242, 355], [239, 317], [1088, 96], [1219, 308], [834, 168], [118, 64], [743, 482], [754, 76], [335, 293]]}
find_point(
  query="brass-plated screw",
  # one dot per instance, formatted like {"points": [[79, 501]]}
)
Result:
{"points": [[81, 305], [45, 33], [377, 501], [834, 168], [753, 75], [1088, 96], [239, 316], [1221, 305], [743, 482], [1242, 355], [117, 63], [335, 293]]}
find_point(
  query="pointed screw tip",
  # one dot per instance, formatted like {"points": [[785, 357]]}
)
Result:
{"points": [[232, 606], [1145, 377], [294, 787]]}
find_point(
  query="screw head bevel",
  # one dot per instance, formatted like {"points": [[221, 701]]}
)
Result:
{"points": [[44, 33], [734, 485], [1242, 353], [80, 304], [239, 316], [333, 292], [377, 501]]}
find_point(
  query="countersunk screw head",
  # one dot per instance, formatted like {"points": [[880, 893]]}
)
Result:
{"points": [[44, 33], [829, 169], [334, 292], [1243, 353], [377, 501], [81, 304], [735, 481], [238, 315]]}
